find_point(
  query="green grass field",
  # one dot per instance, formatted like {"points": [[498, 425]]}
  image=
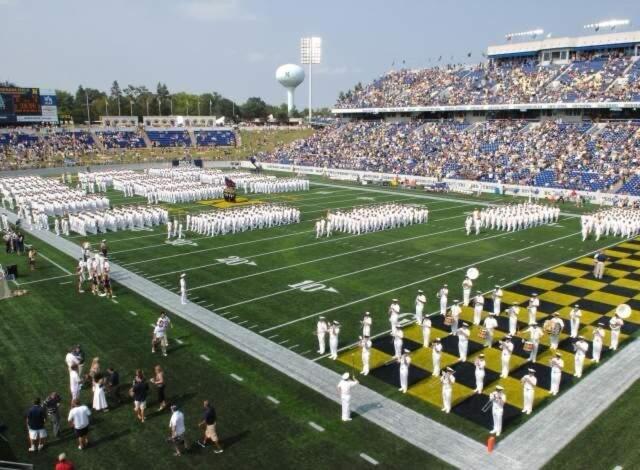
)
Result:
{"points": [[351, 274]]}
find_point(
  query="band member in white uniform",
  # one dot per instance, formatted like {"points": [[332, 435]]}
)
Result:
{"points": [[365, 344], [535, 335], [436, 354], [507, 349], [497, 299], [581, 348], [183, 289], [447, 379], [490, 324], [334, 331], [513, 312], [498, 399], [443, 293], [557, 364], [554, 336], [455, 315], [480, 364], [394, 312], [398, 339], [467, 284], [532, 308], [366, 324], [598, 340], [344, 389], [405, 361], [615, 325], [529, 383], [463, 334], [426, 331], [421, 300], [321, 331], [574, 320], [478, 305]]}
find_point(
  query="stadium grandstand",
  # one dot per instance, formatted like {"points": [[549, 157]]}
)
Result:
{"points": [[555, 113]]}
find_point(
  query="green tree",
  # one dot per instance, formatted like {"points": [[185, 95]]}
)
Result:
{"points": [[254, 108]]}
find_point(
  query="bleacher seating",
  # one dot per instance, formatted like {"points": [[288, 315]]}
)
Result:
{"points": [[214, 137], [120, 139], [169, 137]]}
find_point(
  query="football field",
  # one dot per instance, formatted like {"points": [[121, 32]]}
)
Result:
{"points": [[276, 282]]}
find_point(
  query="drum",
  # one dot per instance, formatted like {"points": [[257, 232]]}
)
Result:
{"points": [[448, 320], [556, 329], [527, 346], [482, 333], [547, 326]]}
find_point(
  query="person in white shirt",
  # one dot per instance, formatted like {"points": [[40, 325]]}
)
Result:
{"points": [[478, 305], [513, 312], [490, 324], [321, 331], [183, 289], [497, 300], [532, 308], [365, 344], [507, 349], [598, 341], [581, 347], [176, 425], [574, 320], [463, 335], [334, 332], [79, 419], [71, 359], [498, 399], [398, 339], [480, 363], [344, 389], [557, 364], [366, 324], [447, 379], [455, 311], [426, 331], [442, 295], [615, 325], [529, 383], [394, 313], [405, 362], [467, 284], [421, 300], [74, 382], [436, 355]]}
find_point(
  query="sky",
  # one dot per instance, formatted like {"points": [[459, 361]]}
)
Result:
{"points": [[233, 47]]}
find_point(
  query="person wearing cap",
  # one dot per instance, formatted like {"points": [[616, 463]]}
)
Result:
{"points": [[405, 362], [394, 316], [344, 390], [556, 364], [169, 229], [478, 305], [447, 379], [490, 325], [535, 334], [421, 300], [436, 355], [557, 324], [183, 289], [497, 299], [177, 428], [103, 248], [480, 364], [512, 313], [366, 345], [598, 268], [366, 324], [581, 347], [322, 327], [529, 383], [574, 320], [532, 308], [443, 293], [334, 331], [615, 325], [498, 400], [598, 340], [463, 335], [426, 331], [455, 311], [467, 284], [507, 350]]}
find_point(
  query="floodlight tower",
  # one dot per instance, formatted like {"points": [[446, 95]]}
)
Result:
{"points": [[290, 76], [310, 53]]}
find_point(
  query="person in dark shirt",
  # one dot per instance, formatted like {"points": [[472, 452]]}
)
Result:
{"points": [[113, 384], [208, 422], [140, 390], [36, 417], [52, 405]]}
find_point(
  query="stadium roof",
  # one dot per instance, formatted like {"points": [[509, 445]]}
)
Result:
{"points": [[595, 41]]}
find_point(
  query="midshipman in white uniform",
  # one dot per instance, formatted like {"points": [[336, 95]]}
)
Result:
{"points": [[344, 389]]}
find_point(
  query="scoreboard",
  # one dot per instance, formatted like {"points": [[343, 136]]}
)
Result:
{"points": [[24, 105]]}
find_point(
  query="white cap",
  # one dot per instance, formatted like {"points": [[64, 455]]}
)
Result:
{"points": [[345, 375], [183, 275]]}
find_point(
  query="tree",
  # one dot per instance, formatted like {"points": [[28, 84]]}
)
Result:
{"points": [[66, 102], [115, 95], [254, 108]]}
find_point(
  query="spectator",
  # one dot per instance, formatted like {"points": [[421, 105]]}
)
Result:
{"points": [[52, 405], [113, 385], [36, 417], [139, 391], [63, 463], [79, 419], [176, 425], [208, 422], [158, 381]]}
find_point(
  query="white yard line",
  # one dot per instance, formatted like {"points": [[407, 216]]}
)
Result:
{"points": [[55, 264], [369, 459], [179, 341], [324, 258], [131, 312], [237, 377], [273, 400], [412, 283], [206, 358], [315, 426], [46, 279]]}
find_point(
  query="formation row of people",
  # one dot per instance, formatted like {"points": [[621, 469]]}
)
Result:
{"points": [[241, 219], [511, 217], [615, 221]]}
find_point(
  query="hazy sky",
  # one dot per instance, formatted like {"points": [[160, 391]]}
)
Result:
{"points": [[234, 46]]}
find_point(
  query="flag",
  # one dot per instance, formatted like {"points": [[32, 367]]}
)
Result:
{"points": [[229, 183]]}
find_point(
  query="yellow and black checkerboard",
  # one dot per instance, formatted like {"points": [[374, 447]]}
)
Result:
{"points": [[558, 290]]}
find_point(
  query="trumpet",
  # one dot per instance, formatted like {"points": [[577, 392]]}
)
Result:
{"points": [[487, 405]]}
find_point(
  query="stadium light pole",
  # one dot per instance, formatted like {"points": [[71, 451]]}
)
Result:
{"points": [[607, 24], [210, 107], [119, 112], [310, 53], [198, 107], [130, 107], [171, 105], [187, 107], [147, 106], [159, 110], [88, 112]]}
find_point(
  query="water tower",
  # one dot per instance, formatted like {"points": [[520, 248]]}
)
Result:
{"points": [[290, 76]]}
